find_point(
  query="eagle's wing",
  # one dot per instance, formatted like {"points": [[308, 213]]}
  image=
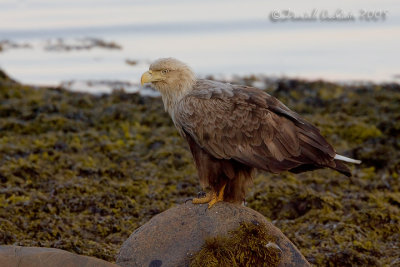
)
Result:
{"points": [[252, 127]]}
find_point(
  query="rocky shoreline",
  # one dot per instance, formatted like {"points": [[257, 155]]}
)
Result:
{"points": [[81, 172]]}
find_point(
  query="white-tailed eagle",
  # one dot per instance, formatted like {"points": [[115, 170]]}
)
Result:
{"points": [[234, 129]]}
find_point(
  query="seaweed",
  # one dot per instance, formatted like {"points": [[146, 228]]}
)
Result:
{"points": [[249, 245], [81, 172]]}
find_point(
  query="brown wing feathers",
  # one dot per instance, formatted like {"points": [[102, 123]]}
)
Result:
{"points": [[248, 125]]}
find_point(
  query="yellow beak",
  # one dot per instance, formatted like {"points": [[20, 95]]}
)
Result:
{"points": [[146, 78], [151, 76]]}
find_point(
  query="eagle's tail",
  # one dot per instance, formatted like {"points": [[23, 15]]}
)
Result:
{"points": [[341, 167], [346, 159]]}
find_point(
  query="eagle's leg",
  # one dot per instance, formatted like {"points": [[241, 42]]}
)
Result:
{"points": [[217, 197], [206, 199]]}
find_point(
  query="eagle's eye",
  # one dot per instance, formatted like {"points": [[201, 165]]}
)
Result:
{"points": [[164, 71]]}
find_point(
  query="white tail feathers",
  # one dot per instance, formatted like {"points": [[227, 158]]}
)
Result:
{"points": [[343, 158]]}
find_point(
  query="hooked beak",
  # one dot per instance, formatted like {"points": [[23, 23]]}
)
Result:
{"points": [[151, 76]]}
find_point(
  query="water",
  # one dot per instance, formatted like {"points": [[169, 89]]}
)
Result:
{"points": [[214, 37]]}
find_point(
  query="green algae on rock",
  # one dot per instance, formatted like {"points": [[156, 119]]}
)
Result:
{"points": [[80, 172], [193, 235], [249, 245]]}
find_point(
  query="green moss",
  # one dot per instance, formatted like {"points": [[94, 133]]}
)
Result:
{"points": [[82, 172], [80, 176], [358, 133], [249, 245]]}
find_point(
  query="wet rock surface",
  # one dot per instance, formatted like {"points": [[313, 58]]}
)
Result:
{"points": [[17, 256], [173, 237]]}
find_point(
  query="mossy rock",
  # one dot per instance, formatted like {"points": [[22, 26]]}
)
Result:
{"points": [[193, 235], [38, 257], [81, 172]]}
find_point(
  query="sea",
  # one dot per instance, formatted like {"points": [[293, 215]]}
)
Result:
{"points": [[343, 41]]}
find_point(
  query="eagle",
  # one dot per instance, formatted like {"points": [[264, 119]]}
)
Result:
{"points": [[234, 129]]}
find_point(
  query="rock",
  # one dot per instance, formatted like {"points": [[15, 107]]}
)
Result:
{"points": [[4, 76], [174, 236], [11, 256]]}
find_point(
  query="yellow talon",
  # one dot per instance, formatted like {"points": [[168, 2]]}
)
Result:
{"points": [[212, 202], [201, 200], [217, 198], [211, 198]]}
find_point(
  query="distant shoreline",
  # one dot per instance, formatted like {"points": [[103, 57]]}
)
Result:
{"points": [[263, 82]]}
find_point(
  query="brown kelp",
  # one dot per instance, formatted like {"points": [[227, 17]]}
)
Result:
{"points": [[81, 172]]}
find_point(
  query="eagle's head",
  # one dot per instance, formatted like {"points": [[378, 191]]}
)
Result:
{"points": [[169, 74], [172, 78]]}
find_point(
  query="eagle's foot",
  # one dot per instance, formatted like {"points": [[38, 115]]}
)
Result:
{"points": [[206, 199], [200, 194], [211, 197], [217, 197]]}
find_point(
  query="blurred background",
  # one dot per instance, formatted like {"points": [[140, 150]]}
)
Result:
{"points": [[49, 42], [82, 171]]}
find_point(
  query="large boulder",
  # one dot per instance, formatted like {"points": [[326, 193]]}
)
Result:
{"points": [[176, 236], [11, 256]]}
